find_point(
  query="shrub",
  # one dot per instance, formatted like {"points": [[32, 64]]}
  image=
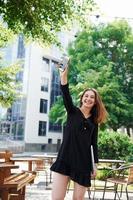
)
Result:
{"points": [[113, 145], [103, 174]]}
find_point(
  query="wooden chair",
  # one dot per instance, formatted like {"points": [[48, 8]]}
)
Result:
{"points": [[6, 155], [122, 176]]}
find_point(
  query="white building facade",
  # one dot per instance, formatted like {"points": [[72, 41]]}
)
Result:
{"points": [[29, 115], [42, 90]]}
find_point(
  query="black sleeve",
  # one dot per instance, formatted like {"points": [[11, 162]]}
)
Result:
{"points": [[94, 143], [67, 98]]}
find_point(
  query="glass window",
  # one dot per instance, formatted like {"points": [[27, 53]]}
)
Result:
{"points": [[43, 105], [55, 85], [19, 76], [8, 128], [45, 65], [42, 128], [49, 140], [44, 84], [58, 144], [43, 146], [20, 130], [55, 92], [56, 127], [21, 47]]}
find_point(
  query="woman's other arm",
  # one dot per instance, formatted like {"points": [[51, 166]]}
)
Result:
{"points": [[95, 148], [65, 90], [95, 143]]}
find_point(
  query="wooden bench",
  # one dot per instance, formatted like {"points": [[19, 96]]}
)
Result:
{"points": [[14, 186]]}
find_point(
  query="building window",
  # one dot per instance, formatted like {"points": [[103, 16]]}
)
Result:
{"points": [[49, 140], [4, 128], [42, 128], [43, 105], [55, 85], [21, 47], [45, 65], [43, 146], [18, 130], [19, 76], [56, 127], [44, 84], [58, 144], [55, 92]]}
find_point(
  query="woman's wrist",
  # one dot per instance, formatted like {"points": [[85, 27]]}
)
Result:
{"points": [[64, 80]]}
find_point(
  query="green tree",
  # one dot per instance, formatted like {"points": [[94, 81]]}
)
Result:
{"points": [[102, 58], [8, 82], [42, 19], [58, 108]]}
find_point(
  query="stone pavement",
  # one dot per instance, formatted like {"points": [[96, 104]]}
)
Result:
{"points": [[43, 194], [38, 191]]}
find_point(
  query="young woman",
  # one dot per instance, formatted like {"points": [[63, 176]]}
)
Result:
{"points": [[81, 131]]}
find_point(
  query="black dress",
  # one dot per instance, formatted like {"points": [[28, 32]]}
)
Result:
{"points": [[74, 157]]}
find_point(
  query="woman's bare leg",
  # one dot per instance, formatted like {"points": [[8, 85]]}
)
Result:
{"points": [[59, 186], [79, 192]]}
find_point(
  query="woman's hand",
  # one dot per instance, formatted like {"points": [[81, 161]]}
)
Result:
{"points": [[94, 173], [63, 75]]}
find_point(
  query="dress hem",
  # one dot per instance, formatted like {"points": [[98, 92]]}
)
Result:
{"points": [[64, 169]]}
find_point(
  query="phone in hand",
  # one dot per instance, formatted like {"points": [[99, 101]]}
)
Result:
{"points": [[64, 63]]}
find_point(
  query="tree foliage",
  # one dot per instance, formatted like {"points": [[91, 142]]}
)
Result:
{"points": [[102, 58], [6, 35], [58, 108], [41, 19], [8, 82]]}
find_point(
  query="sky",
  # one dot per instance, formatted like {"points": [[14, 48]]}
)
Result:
{"points": [[116, 8]]}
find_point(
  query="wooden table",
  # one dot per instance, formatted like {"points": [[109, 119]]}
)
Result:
{"points": [[48, 157], [5, 170], [29, 160], [114, 163]]}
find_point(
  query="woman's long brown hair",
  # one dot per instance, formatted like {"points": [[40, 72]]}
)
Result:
{"points": [[98, 111]]}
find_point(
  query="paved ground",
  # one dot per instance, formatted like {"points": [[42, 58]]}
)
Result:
{"points": [[42, 194], [38, 191]]}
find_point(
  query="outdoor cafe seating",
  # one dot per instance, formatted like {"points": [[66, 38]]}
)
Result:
{"points": [[13, 185], [104, 164], [122, 176]]}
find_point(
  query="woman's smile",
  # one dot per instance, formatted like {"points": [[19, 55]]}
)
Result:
{"points": [[88, 99]]}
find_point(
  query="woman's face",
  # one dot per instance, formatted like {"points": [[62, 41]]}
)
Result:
{"points": [[88, 99]]}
